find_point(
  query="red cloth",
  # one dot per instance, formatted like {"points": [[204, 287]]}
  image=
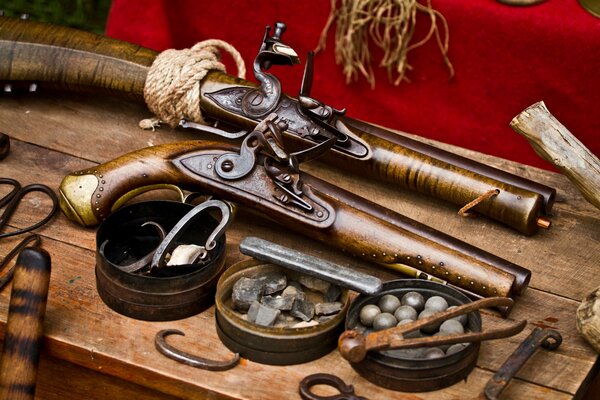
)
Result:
{"points": [[506, 58]]}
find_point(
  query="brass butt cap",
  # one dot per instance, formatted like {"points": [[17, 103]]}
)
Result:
{"points": [[75, 195]]}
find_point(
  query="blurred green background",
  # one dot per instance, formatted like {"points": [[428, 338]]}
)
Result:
{"points": [[89, 15]]}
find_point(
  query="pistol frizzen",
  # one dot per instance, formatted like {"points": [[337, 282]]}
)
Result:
{"points": [[90, 61]]}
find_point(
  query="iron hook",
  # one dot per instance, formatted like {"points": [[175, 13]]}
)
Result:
{"points": [[166, 349]]}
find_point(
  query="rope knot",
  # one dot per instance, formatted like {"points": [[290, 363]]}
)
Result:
{"points": [[172, 88]]}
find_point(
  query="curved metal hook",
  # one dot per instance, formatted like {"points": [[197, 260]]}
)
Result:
{"points": [[346, 391], [163, 347], [179, 229]]}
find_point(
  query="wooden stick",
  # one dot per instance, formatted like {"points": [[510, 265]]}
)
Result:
{"points": [[552, 141]]}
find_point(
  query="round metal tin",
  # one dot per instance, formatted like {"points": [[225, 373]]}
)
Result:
{"points": [[271, 345], [416, 375], [154, 298]]}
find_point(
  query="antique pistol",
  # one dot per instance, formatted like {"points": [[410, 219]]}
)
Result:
{"points": [[90, 61], [264, 177]]}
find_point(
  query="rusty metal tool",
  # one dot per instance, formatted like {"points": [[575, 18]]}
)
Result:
{"points": [[354, 346], [25, 325], [346, 391], [166, 349], [546, 338], [317, 267]]}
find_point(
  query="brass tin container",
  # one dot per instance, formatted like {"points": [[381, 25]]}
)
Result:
{"points": [[155, 298], [271, 345], [416, 375]]}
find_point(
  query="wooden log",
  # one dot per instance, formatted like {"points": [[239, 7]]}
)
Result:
{"points": [[552, 141]]}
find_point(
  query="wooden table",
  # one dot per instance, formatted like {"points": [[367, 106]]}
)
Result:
{"points": [[92, 352]]}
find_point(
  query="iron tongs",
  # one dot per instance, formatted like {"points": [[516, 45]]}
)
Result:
{"points": [[354, 346]]}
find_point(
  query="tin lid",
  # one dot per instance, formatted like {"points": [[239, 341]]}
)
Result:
{"points": [[310, 265]]}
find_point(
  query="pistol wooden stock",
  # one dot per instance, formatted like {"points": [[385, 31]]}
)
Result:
{"points": [[25, 325], [337, 218], [89, 61]]}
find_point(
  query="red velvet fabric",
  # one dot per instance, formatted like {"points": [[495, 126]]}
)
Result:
{"points": [[506, 58]]}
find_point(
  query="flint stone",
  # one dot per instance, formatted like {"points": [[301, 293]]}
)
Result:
{"points": [[266, 316], [304, 324], [293, 292], [278, 302], [287, 319], [328, 308], [333, 293], [313, 283], [303, 309], [273, 282], [295, 284], [245, 291], [253, 311]]}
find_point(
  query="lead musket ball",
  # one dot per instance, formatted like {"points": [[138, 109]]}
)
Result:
{"points": [[433, 352], [455, 348], [414, 300], [405, 312], [384, 321], [452, 327], [368, 314], [431, 328], [388, 303], [436, 303]]}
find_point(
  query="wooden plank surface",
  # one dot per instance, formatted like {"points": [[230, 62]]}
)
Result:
{"points": [[58, 134]]}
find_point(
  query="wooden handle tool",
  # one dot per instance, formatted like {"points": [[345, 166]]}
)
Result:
{"points": [[25, 325]]}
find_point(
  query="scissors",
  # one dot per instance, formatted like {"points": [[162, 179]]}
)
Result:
{"points": [[13, 199]]}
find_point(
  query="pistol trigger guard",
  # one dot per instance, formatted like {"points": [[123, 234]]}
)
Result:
{"points": [[143, 189]]}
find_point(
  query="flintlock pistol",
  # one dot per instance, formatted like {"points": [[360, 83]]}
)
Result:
{"points": [[265, 178], [88, 61]]}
